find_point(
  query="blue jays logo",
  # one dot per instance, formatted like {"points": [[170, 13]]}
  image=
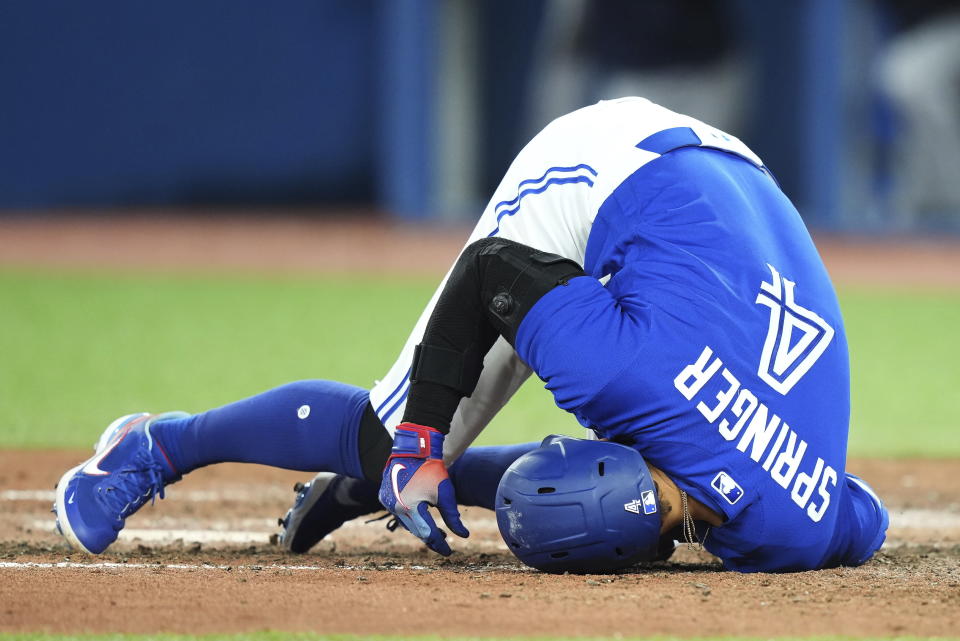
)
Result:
{"points": [[727, 487], [796, 336]]}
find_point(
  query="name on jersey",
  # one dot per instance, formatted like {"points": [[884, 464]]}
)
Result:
{"points": [[760, 434]]}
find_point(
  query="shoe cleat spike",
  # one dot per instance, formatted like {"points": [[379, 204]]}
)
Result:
{"points": [[298, 487]]}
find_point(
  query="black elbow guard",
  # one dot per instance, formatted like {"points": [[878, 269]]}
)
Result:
{"points": [[514, 277], [491, 288]]}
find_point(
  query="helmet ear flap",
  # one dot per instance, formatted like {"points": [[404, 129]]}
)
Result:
{"points": [[577, 505]]}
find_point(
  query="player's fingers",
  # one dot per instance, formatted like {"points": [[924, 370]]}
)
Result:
{"points": [[438, 543], [437, 538], [415, 523], [447, 505]]}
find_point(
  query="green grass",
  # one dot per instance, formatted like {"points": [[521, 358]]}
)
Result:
{"points": [[905, 372], [285, 636], [76, 350]]}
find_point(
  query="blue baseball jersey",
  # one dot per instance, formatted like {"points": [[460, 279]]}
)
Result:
{"points": [[708, 335]]}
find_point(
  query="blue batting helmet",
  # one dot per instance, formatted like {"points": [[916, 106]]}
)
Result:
{"points": [[575, 505]]}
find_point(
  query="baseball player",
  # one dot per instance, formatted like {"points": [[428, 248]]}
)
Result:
{"points": [[649, 270]]}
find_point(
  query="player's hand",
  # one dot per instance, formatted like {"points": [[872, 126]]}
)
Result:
{"points": [[415, 478]]}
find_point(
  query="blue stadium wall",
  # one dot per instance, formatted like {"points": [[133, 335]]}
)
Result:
{"points": [[117, 102]]}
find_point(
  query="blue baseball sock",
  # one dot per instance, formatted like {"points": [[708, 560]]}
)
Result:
{"points": [[307, 425], [476, 474]]}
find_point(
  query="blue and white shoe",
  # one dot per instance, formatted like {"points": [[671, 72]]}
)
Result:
{"points": [[128, 468], [323, 505]]}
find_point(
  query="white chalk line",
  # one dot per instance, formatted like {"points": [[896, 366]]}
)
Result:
{"points": [[899, 518], [922, 519], [141, 535], [28, 495], [485, 531], [193, 496], [163, 529], [909, 518], [167, 530]]}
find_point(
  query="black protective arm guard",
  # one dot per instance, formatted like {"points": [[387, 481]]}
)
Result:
{"points": [[492, 287]]}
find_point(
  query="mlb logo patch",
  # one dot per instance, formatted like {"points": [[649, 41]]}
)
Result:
{"points": [[727, 487], [647, 501]]}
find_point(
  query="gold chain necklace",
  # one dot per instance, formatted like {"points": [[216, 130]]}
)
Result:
{"points": [[689, 531]]}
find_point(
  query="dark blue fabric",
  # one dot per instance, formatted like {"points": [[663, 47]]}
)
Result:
{"points": [[477, 472], [271, 429], [182, 102]]}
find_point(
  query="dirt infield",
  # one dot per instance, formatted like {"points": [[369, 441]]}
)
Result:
{"points": [[279, 242], [201, 561]]}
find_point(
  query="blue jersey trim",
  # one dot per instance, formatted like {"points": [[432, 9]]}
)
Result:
{"points": [[539, 190], [670, 139], [393, 409], [531, 181], [399, 387]]}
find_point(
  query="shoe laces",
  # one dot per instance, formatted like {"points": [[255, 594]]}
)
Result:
{"points": [[392, 524], [131, 486]]}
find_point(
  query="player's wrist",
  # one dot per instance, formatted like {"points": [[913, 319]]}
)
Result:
{"points": [[411, 440]]}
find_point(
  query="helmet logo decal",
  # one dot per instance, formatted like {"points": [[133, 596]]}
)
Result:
{"points": [[647, 501], [727, 487]]}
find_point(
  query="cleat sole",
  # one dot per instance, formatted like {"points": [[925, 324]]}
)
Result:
{"points": [[307, 496], [63, 523]]}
